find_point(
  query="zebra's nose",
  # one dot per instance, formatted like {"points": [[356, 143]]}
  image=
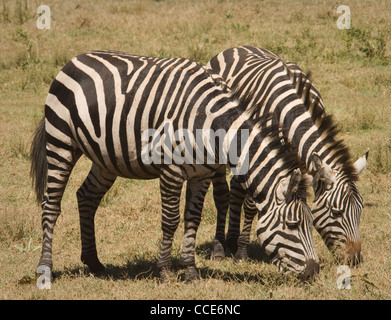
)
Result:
{"points": [[355, 260], [311, 269], [353, 253]]}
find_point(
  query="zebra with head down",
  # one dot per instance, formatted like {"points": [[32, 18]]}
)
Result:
{"points": [[284, 90], [101, 104]]}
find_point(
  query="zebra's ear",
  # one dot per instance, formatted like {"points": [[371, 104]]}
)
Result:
{"points": [[324, 172], [317, 162], [282, 188], [361, 163], [288, 185], [294, 182]]}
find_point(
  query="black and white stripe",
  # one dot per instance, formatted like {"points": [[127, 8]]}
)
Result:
{"points": [[284, 90], [101, 103]]}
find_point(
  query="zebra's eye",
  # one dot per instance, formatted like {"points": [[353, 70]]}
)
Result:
{"points": [[335, 213]]}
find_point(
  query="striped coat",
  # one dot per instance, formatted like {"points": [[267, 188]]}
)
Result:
{"points": [[283, 89], [112, 106]]}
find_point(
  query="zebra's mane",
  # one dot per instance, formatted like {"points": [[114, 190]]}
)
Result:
{"points": [[313, 101], [268, 126]]}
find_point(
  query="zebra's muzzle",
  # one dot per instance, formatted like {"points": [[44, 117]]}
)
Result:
{"points": [[349, 254], [353, 253], [355, 260], [311, 269]]}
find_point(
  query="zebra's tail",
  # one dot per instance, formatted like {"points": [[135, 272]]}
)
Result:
{"points": [[39, 165]]}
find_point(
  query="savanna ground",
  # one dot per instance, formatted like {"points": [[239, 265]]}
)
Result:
{"points": [[351, 68]]}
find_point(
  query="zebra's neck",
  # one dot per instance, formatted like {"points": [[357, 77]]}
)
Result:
{"points": [[262, 161], [284, 90]]}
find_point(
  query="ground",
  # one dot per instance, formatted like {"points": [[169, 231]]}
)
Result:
{"points": [[351, 69]]}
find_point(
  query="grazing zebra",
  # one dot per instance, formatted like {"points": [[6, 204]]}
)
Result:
{"points": [[102, 103], [284, 90]]}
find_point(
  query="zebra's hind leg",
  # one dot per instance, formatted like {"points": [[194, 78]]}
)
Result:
{"points": [[195, 194], [221, 200], [59, 170], [171, 181], [89, 195], [244, 239]]}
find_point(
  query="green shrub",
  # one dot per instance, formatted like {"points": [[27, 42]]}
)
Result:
{"points": [[371, 44]]}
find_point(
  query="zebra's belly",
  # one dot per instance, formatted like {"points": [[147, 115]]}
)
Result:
{"points": [[136, 169], [134, 164], [199, 171]]}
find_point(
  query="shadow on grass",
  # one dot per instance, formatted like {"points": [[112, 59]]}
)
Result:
{"points": [[254, 251], [142, 269]]}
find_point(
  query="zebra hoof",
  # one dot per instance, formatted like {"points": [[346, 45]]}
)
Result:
{"points": [[232, 246], [99, 272], [192, 275], [44, 277], [96, 268], [166, 275], [218, 258], [218, 252], [241, 254]]}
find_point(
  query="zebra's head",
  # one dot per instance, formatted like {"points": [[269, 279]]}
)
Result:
{"points": [[337, 209], [284, 228]]}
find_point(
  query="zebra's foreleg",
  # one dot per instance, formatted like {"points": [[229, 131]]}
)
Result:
{"points": [[244, 239], [195, 194], [89, 195], [171, 181], [221, 200], [237, 196]]}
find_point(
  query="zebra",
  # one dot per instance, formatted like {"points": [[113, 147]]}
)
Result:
{"points": [[283, 89], [102, 102]]}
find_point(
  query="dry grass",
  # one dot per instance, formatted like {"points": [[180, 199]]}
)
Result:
{"points": [[351, 71]]}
